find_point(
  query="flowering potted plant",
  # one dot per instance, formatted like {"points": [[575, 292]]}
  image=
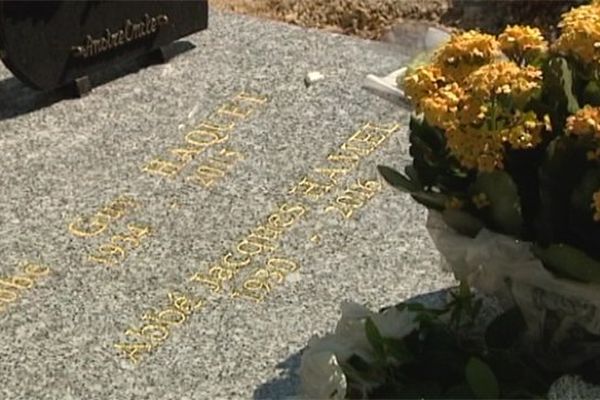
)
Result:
{"points": [[506, 156], [505, 146]]}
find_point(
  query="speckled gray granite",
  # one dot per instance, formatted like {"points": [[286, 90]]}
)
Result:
{"points": [[65, 159]]}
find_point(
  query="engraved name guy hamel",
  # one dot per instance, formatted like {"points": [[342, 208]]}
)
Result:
{"points": [[131, 31]]}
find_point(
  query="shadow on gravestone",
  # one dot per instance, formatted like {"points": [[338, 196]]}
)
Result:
{"points": [[287, 385], [16, 98]]}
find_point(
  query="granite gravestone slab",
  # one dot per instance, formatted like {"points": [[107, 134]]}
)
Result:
{"points": [[182, 232]]}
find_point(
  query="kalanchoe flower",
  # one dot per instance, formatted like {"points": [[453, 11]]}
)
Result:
{"points": [[584, 122], [580, 36], [466, 52], [440, 109], [525, 132], [475, 147], [522, 43], [423, 82], [505, 78]]}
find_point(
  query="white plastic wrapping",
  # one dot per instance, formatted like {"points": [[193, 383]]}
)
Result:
{"points": [[501, 266]]}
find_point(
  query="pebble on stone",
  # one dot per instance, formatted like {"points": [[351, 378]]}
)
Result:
{"points": [[313, 77]]}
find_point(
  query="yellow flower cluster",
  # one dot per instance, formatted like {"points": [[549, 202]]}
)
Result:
{"points": [[596, 206], [522, 42], [475, 148], [580, 37], [584, 122], [462, 93], [505, 77], [525, 131], [440, 110], [423, 82], [466, 52]]}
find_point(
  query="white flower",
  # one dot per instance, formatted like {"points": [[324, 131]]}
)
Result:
{"points": [[321, 370]]}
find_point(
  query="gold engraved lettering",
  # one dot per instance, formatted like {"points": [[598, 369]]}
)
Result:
{"points": [[347, 158], [266, 233], [217, 275], [187, 154], [249, 248], [255, 296], [36, 270], [364, 150], [166, 317], [133, 351], [296, 210], [350, 201], [287, 265], [17, 282], [310, 188], [208, 174], [205, 138], [261, 282], [151, 332], [12, 287], [316, 239], [235, 265], [108, 254], [158, 324], [370, 140], [163, 167], [210, 171], [332, 173], [280, 221], [265, 243], [110, 40], [388, 129], [254, 98], [129, 240], [114, 252], [354, 197], [88, 228], [7, 296], [345, 211], [233, 110], [138, 231], [184, 304]]}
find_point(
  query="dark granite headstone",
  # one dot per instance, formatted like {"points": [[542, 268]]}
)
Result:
{"points": [[50, 44]]}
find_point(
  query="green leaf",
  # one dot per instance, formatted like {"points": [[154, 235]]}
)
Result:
{"points": [[413, 175], [591, 94], [437, 201], [375, 338], [422, 133], [567, 83], [461, 391], [481, 379], [504, 331], [398, 349], [504, 211], [397, 180], [462, 222], [569, 261]]}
